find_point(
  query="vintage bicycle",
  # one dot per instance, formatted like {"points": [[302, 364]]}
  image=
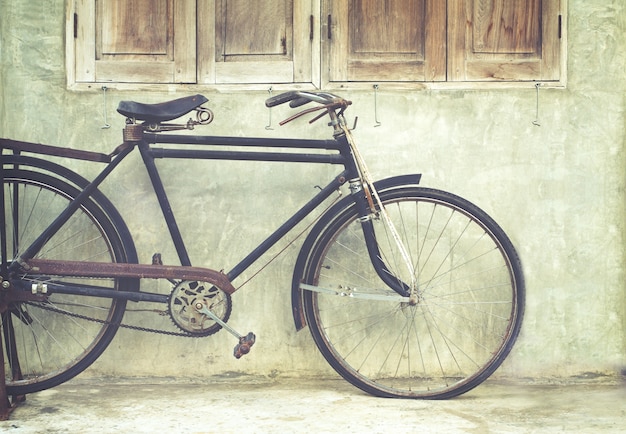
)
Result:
{"points": [[408, 292]]}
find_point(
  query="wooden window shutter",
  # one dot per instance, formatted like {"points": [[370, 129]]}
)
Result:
{"points": [[387, 40], [255, 42], [491, 40], [140, 41]]}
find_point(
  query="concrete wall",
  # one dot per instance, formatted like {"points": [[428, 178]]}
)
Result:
{"points": [[557, 189]]}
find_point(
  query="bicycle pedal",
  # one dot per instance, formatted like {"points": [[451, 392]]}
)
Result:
{"points": [[244, 345]]}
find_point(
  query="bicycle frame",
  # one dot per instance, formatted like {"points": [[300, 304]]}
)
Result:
{"points": [[150, 154], [299, 152], [431, 313]]}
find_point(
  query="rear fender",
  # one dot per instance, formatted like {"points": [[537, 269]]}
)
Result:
{"points": [[73, 178]]}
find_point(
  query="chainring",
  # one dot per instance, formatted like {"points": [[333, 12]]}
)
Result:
{"points": [[185, 316]]}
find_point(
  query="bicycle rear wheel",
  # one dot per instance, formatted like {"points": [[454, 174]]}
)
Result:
{"points": [[470, 297], [48, 342]]}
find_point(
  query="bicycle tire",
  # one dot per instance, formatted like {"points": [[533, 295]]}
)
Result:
{"points": [[470, 296], [48, 343]]}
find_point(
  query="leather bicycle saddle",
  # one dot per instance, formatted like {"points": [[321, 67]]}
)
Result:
{"points": [[161, 112]]}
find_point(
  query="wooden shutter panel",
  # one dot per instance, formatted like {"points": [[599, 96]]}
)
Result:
{"points": [[387, 40], [508, 40], [150, 41], [256, 42]]}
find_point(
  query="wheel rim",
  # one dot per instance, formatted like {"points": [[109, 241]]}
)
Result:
{"points": [[49, 342], [463, 325]]}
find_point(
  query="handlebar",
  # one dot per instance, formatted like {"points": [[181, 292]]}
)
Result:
{"points": [[327, 101], [298, 98]]}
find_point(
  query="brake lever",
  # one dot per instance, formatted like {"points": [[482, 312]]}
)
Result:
{"points": [[304, 112], [318, 117]]}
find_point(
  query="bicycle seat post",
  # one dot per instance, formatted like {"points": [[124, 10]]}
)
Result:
{"points": [[132, 132]]}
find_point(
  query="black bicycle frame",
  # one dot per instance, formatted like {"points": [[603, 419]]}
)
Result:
{"points": [[341, 156], [149, 153]]}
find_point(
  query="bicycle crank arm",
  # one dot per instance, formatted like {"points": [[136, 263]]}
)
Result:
{"points": [[245, 342]]}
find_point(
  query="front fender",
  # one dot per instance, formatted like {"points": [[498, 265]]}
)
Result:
{"points": [[297, 304]]}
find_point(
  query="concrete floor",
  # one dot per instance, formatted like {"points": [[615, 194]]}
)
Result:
{"points": [[241, 405]]}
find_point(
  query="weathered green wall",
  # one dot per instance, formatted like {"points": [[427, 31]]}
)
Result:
{"points": [[557, 189]]}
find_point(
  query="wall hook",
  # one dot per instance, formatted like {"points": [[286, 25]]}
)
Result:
{"points": [[269, 123], [104, 108], [536, 121], [377, 122]]}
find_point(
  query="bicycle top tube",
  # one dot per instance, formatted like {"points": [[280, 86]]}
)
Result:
{"points": [[144, 125]]}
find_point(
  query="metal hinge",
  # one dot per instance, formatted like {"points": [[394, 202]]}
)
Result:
{"points": [[560, 24], [329, 29], [311, 22], [75, 25]]}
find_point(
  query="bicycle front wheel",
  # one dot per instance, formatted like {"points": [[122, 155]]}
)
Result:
{"points": [[470, 297], [47, 342]]}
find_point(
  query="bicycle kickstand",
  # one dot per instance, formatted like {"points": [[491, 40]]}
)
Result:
{"points": [[245, 342]]}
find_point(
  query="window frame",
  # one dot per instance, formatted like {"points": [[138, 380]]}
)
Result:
{"points": [[427, 61], [318, 53], [537, 64], [213, 72], [178, 68]]}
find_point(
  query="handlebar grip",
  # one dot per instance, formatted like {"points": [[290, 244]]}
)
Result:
{"points": [[281, 98], [297, 102]]}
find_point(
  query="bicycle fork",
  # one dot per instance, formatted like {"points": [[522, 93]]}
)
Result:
{"points": [[365, 184]]}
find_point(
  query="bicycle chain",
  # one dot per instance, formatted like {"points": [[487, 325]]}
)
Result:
{"points": [[101, 321]]}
